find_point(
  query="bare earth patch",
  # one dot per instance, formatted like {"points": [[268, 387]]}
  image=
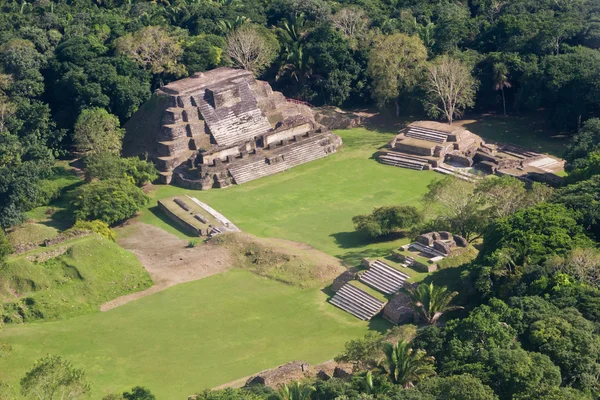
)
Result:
{"points": [[167, 259]]}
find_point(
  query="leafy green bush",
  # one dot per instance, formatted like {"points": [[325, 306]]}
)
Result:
{"points": [[98, 227], [110, 201], [5, 246], [109, 166], [385, 220]]}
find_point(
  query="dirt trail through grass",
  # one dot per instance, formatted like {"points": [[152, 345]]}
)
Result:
{"points": [[167, 259]]}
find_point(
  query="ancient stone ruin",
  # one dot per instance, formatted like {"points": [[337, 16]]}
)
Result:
{"points": [[453, 150], [224, 127], [429, 249]]}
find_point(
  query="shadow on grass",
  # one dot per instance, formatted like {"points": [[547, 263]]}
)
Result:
{"points": [[61, 219], [450, 277], [354, 239], [155, 210], [529, 131]]}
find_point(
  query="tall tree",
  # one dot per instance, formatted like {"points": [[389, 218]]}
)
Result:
{"points": [[352, 22], [456, 204], [450, 88], [153, 49], [396, 65], [250, 49], [54, 378], [97, 132], [431, 302], [500, 76], [406, 366]]}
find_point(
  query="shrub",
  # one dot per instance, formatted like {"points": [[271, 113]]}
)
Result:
{"points": [[385, 220], [5, 246], [98, 227], [110, 201], [193, 243], [109, 166]]}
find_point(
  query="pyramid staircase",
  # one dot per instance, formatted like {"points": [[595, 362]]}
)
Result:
{"points": [[430, 135], [358, 303], [384, 278]]}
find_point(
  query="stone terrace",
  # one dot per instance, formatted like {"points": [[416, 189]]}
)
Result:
{"points": [[453, 150], [224, 127]]}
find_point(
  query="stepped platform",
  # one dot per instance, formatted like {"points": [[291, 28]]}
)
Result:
{"points": [[280, 160], [357, 302], [383, 277], [427, 134], [456, 172], [204, 131]]}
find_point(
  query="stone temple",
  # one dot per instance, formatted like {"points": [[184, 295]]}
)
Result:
{"points": [[224, 127], [453, 150]]}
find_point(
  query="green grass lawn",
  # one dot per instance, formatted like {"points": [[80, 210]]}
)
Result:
{"points": [[315, 202], [190, 337]]}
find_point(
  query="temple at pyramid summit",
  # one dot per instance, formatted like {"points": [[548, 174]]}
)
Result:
{"points": [[224, 127]]}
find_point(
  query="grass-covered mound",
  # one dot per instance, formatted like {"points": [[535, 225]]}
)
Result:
{"points": [[91, 271], [291, 262], [189, 337]]}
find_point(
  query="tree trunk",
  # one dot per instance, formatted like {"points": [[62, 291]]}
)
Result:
{"points": [[397, 102], [503, 101]]}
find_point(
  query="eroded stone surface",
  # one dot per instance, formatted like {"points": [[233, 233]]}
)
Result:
{"points": [[224, 127]]}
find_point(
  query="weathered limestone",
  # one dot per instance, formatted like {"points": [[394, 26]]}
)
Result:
{"points": [[222, 127], [453, 150]]}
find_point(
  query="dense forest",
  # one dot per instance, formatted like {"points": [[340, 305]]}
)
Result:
{"points": [[73, 72], [59, 59]]}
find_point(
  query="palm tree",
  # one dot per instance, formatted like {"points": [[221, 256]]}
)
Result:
{"points": [[296, 391], [375, 387], [500, 72], [405, 366], [228, 26], [431, 302]]}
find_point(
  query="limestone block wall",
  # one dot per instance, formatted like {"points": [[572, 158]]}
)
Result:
{"points": [[421, 151], [286, 134]]}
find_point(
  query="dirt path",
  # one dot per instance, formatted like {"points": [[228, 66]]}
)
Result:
{"points": [[167, 259]]}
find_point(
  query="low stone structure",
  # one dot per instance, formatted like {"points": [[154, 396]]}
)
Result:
{"points": [[343, 278], [433, 246], [223, 127], [399, 310], [298, 370], [61, 238], [292, 371], [453, 150]]}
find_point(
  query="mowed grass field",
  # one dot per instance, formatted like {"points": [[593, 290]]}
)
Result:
{"points": [[315, 202], [190, 337]]}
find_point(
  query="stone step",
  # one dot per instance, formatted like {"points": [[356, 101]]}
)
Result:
{"points": [[298, 154], [358, 303], [369, 302], [349, 308], [379, 282], [389, 269], [401, 158], [401, 164], [446, 171], [406, 156], [354, 305], [426, 134], [386, 279], [429, 130]]}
